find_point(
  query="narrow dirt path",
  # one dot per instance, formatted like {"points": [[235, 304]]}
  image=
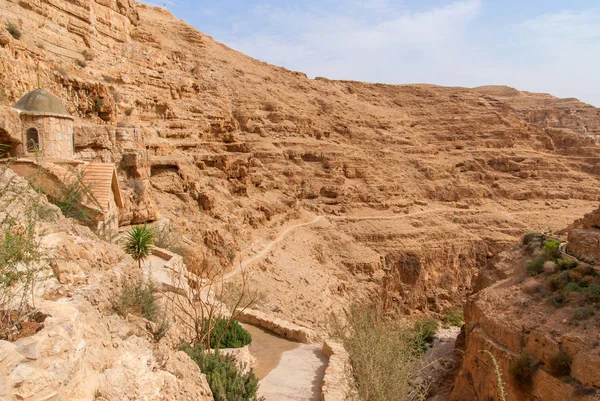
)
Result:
{"points": [[265, 251], [297, 377]]}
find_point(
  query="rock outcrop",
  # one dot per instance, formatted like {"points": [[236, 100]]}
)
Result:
{"points": [[77, 348], [584, 237], [542, 336]]}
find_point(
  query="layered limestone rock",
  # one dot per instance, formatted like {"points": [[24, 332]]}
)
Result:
{"points": [[511, 315], [81, 355], [229, 148], [584, 237], [77, 348]]}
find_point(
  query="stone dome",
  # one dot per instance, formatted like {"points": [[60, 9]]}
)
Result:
{"points": [[40, 102]]}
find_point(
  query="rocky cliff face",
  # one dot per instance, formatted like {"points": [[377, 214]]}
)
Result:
{"points": [[230, 148], [77, 347], [541, 330], [584, 237]]}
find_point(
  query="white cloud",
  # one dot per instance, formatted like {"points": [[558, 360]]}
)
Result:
{"points": [[350, 47], [380, 41]]}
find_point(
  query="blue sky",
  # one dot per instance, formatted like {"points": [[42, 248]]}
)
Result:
{"points": [[547, 46]]}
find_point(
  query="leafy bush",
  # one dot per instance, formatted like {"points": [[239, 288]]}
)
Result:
{"points": [[139, 242], [234, 337], [70, 199], [559, 281], [552, 249], [454, 318], [592, 293], [22, 256], [560, 365], [566, 264], [383, 353], [570, 288], [138, 299], [522, 369], [583, 313], [536, 266], [225, 380], [426, 330], [14, 30]]}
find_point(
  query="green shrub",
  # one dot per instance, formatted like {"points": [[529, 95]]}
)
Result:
{"points": [[138, 299], [426, 330], [536, 266], [225, 380], [570, 288], [70, 199], [583, 313], [592, 293], [559, 281], [552, 249], [234, 337], [14, 30], [522, 369], [557, 300], [454, 318], [560, 365], [566, 264]]}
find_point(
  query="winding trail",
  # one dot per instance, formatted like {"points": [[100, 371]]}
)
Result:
{"points": [[269, 247], [265, 251]]}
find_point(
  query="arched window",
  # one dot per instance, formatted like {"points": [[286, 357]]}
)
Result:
{"points": [[33, 140]]}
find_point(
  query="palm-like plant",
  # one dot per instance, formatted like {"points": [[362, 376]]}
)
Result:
{"points": [[138, 243]]}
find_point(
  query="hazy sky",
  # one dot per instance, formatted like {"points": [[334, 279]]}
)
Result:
{"points": [[548, 46]]}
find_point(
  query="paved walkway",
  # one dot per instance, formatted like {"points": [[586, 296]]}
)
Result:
{"points": [[297, 377]]}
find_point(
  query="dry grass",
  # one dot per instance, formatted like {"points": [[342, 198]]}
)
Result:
{"points": [[384, 354]]}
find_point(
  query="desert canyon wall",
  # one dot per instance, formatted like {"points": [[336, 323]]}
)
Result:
{"points": [[419, 186]]}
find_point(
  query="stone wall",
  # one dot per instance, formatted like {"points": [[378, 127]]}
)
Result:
{"points": [[55, 136], [337, 382], [278, 326]]}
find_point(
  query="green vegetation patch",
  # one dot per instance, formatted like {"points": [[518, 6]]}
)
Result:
{"points": [[454, 318], [225, 380], [560, 365], [234, 336], [138, 298], [522, 369]]}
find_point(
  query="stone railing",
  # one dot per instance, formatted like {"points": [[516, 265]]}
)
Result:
{"points": [[337, 382], [278, 326]]}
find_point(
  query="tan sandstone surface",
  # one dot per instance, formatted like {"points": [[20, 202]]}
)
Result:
{"points": [[83, 350], [402, 192], [230, 148], [512, 314]]}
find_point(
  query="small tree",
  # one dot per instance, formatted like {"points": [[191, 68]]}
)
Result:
{"points": [[138, 243], [201, 298]]}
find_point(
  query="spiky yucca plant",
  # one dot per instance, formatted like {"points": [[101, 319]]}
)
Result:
{"points": [[138, 243]]}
